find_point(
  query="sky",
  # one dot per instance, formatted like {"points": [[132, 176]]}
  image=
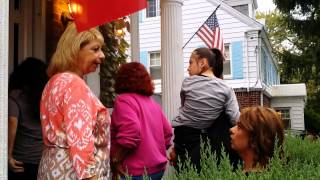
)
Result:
{"points": [[265, 5]]}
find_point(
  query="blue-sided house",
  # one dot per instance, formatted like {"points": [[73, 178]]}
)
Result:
{"points": [[250, 67]]}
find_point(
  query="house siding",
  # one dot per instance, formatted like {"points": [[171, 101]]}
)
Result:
{"points": [[237, 2], [296, 105], [235, 32], [194, 15], [252, 74]]}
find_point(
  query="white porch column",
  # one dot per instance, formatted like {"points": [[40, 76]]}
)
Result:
{"points": [[4, 57], [134, 37], [171, 55]]}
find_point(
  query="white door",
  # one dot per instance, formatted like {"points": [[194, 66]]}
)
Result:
{"points": [[26, 30]]}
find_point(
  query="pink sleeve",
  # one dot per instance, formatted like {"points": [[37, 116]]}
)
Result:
{"points": [[125, 124], [79, 120], [167, 129]]}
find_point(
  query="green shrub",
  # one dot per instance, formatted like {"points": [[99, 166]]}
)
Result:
{"points": [[312, 119], [301, 161]]}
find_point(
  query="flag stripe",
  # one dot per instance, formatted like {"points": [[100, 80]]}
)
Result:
{"points": [[211, 34]]}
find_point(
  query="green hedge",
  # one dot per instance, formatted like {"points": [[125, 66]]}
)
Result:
{"points": [[302, 162], [312, 119]]}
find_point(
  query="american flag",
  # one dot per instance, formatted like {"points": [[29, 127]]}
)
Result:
{"points": [[210, 33]]}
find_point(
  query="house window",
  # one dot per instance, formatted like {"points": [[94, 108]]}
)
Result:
{"points": [[243, 9], [226, 63], [285, 116], [155, 65], [153, 8], [265, 68]]}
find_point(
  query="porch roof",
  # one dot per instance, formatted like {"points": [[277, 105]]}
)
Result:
{"points": [[285, 90]]}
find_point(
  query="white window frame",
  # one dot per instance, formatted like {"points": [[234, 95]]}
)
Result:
{"points": [[149, 61], [157, 10], [280, 110], [228, 76]]}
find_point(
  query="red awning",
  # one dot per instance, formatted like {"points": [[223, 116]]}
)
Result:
{"points": [[91, 13]]}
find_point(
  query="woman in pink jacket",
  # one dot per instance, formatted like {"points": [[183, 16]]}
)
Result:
{"points": [[140, 133]]}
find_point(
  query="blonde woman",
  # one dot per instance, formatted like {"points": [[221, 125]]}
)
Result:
{"points": [[75, 124]]}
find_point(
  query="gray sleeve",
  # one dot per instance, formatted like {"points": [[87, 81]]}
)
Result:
{"points": [[183, 91], [232, 107], [13, 108]]}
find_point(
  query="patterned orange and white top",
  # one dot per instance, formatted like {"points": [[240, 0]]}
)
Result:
{"points": [[75, 127]]}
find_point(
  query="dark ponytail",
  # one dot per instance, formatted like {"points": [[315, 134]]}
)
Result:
{"points": [[217, 63], [215, 59]]}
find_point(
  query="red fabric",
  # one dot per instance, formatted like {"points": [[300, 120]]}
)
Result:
{"points": [[92, 13]]}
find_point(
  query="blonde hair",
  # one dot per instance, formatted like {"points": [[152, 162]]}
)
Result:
{"points": [[69, 45]]}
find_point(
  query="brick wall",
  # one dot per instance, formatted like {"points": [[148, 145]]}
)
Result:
{"points": [[266, 101], [248, 99]]}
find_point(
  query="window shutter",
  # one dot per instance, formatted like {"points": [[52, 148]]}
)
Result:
{"points": [[237, 60], [144, 58], [142, 15]]}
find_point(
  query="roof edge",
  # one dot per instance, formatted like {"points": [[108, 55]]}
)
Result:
{"points": [[243, 18]]}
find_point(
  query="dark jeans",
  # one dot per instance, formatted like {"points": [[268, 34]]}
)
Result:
{"points": [[30, 172], [187, 142], [155, 176]]}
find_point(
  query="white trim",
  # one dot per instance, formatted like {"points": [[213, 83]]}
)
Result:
{"points": [[285, 90], [229, 76], [157, 9], [4, 42], [255, 4], [149, 58], [157, 82], [266, 41], [282, 118]]}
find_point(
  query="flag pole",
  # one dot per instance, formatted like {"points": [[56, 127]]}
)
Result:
{"points": [[201, 26]]}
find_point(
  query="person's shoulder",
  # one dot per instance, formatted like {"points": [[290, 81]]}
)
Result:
{"points": [[66, 75], [125, 97], [67, 78], [130, 97], [134, 99], [192, 79], [222, 83]]}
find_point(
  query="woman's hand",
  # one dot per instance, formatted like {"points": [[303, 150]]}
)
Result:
{"points": [[117, 170], [14, 165], [172, 157], [118, 154]]}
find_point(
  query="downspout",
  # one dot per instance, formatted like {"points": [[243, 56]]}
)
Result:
{"points": [[247, 61], [259, 66], [261, 98]]}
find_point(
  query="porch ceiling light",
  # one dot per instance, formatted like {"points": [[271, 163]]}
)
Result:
{"points": [[119, 32], [74, 8]]}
